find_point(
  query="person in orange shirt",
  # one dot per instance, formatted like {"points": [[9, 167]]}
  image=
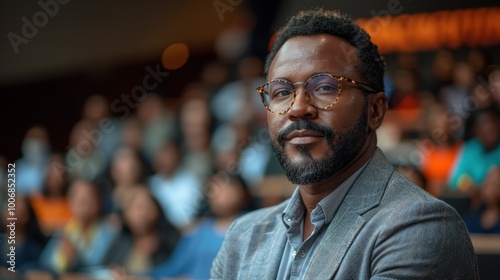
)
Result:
{"points": [[439, 149], [51, 206]]}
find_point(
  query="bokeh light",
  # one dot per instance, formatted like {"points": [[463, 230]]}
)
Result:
{"points": [[175, 56]]}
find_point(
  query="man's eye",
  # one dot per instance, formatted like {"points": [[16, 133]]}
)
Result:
{"points": [[326, 89], [281, 93]]}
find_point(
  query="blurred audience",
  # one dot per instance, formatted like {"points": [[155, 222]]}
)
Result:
{"points": [[147, 238], [213, 75], [486, 219], [51, 206], [107, 127], [196, 128], [407, 95], [407, 101], [31, 169], [126, 172], [132, 134], [176, 188], [478, 60], [481, 97], [456, 97], [234, 41], [158, 125], [84, 159], [239, 99], [440, 148], [479, 153], [442, 69], [228, 197], [238, 150], [86, 238], [28, 241]]}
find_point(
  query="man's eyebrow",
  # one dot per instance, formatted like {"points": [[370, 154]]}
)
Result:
{"points": [[315, 73], [280, 78], [326, 72]]}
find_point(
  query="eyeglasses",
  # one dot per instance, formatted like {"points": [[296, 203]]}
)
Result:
{"points": [[322, 92]]}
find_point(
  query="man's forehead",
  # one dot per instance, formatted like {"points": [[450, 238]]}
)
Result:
{"points": [[323, 49], [318, 41]]}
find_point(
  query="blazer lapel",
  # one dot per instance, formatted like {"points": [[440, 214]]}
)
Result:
{"points": [[270, 239], [364, 195]]}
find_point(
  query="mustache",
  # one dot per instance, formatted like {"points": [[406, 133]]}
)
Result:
{"points": [[304, 125]]}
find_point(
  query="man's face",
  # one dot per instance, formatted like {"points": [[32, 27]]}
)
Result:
{"points": [[310, 144]]}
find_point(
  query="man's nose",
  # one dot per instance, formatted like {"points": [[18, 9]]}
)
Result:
{"points": [[301, 107]]}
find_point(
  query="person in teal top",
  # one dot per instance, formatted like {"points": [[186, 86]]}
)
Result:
{"points": [[478, 154]]}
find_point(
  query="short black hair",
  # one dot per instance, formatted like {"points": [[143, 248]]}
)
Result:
{"points": [[370, 64]]}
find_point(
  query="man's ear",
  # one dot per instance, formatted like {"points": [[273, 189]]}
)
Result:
{"points": [[377, 105]]}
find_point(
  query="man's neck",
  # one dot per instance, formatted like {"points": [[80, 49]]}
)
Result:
{"points": [[314, 193]]}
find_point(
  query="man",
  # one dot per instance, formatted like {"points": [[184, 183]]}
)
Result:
{"points": [[352, 216]]}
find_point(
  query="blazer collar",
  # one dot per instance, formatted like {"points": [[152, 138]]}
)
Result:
{"points": [[364, 195], [369, 188], [268, 242]]}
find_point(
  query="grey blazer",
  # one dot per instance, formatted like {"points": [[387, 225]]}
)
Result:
{"points": [[386, 228]]}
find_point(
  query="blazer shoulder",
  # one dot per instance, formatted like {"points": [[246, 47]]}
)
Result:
{"points": [[401, 191], [400, 185], [412, 226]]}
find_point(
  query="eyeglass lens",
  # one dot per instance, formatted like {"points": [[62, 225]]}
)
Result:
{"points": [[322, 91]]}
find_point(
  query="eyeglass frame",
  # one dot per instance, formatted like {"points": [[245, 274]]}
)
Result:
{"points": [[337, 77]]}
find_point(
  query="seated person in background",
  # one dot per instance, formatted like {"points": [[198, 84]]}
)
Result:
{"points": [[29, 239], [228, 197], [440, 148], [147, 237], [126, 172], [478, 154], [177, 189], [406, 96], [86, 237], [92, 162], [196, 128], [486, 219], [463, 82], [32, 166], [51, 206]]}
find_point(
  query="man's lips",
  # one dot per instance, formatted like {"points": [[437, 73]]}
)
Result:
{"points": [[304, 137]]}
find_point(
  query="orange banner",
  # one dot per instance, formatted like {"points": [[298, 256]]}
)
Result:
{"points": [[431, 31]]}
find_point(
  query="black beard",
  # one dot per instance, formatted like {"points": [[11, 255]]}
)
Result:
{"points": [[343, 147]]}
